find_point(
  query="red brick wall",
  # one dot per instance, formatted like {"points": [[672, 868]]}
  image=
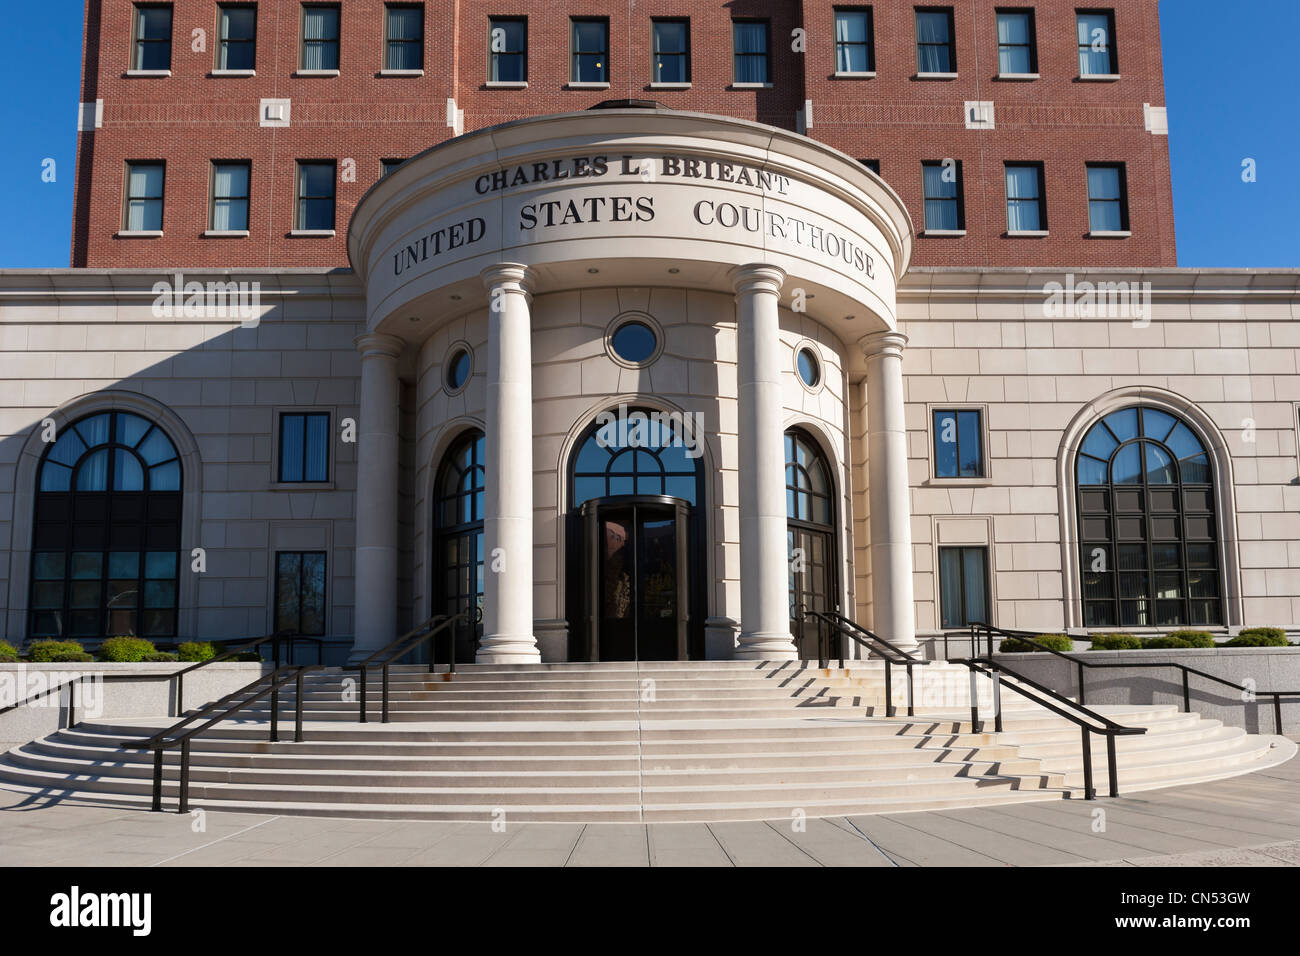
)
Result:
{"points": [[191, 117]]}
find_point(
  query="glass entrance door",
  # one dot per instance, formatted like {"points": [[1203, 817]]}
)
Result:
{"points": [[811, 587], [636, 572]]}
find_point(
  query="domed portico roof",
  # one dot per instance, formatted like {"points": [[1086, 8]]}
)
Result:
{"points": [[630, 196]]}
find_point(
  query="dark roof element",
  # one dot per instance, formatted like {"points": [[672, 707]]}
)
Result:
{"points": [[628, 105]]}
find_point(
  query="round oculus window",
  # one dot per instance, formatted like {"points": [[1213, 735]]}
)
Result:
{"points": [[458, 369], [634, 342], [809, 368]]}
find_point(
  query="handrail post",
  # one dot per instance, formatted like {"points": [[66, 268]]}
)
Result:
{"points": [[997, 701], [185, 777], [1114, 770], [275, 648], [1187, 693], [275, 709], [1089, 793], [363, 693], [157, 779], [384, 718], [911, 704], [1277, 712], [889, 689], [1083, 695], [72, 702], [297, 694], [975, 724], [180, 694]]}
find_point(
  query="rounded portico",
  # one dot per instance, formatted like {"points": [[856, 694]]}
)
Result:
{"points": [[590, 338]]}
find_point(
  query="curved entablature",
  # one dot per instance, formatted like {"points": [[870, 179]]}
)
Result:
{"points": [[630, 197]]}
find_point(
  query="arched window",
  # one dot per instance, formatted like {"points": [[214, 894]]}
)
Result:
{"points": [[107, 531], [810, 536], [1149, 553], [458, 539], [642, 453]]}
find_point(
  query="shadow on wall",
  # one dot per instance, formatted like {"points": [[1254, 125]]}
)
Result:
{"points": [[219, 393]]}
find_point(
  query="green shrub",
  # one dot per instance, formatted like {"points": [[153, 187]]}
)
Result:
{"points": [[44, 652], [158, 657], [196, 651], [1057, 642], [71, 657], [1188, 637], [247, 656], [126, 650], [8, 653], [1115, 642], [1168, 642], [1259, 637]]}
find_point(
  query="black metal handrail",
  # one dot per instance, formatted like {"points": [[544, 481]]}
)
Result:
{"points": [[1028, 637], [164, 739], [422, 633], [1058, 704], [178, 707], [892, 654]]}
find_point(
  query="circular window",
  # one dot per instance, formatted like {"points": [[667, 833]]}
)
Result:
{"points": [[810, 370], [458, 369], [634, 342]]}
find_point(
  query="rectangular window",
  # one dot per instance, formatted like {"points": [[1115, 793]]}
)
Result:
{"points": [[1107, 198], [403, 36], [153, 37], [144, 196], [320, 37], [236, 36], [871, 164], [934, 49], [230, 197], [963, 586], [304, 446], [300, 592], [855, 50], [958, 444], [315, 195], [1017, 46], [749, 43], [1026, 204], [943, 196], [1097, 43], [590, 44], [672, 51], [508, 49], [388, 165]]}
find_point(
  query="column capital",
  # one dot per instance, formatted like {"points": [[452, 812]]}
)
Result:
{"points": [[512, 276], [888, 342], [378, 343], [757, 277]]}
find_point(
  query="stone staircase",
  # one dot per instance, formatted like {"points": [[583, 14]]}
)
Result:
{"points": [[697, 741]]}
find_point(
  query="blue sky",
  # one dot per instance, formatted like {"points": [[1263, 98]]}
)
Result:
{"points": [[1229, 84]]}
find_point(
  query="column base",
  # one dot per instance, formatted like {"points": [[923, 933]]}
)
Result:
{"points": [[769, 646], [520, 649]]}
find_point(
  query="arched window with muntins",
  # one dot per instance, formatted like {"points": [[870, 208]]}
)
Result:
{"points": [[810, 537], [1149, 553], [105, 557], [636, 455], [458, 539]]}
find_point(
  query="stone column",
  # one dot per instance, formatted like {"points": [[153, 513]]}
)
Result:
{"points": [[375, 623], [893, 610], [764, 563], [508, 507]]}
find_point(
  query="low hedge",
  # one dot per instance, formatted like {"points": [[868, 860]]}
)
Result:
{"points": [[54, 652], [1115, 642], [1260, 637], [159, 657], [126, 650], [1057, 642], [8, 653], [196, 651], [1184, 638]]}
